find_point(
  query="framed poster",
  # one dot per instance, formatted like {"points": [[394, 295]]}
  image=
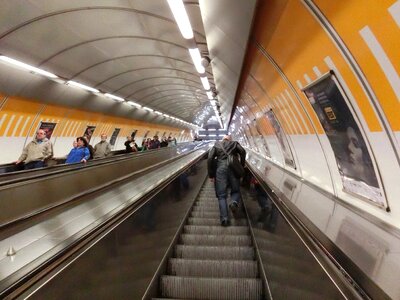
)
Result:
{"points": [[262, 141], [89, 132], [282, 139], [353, 156], [114, 136], [48, 128]]}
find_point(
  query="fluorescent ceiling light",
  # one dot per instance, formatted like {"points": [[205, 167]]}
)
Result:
{"points": [[196, 57], [209, 95], [181, 18], [27, 67], [213, 102], [206, 84], [158, 113], [147, 108], [82, 86], [133, 104], [114, 97]]}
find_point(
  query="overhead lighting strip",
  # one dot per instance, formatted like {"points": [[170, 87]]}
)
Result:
{"points": [[178, 10], [27, 67], [82, 86]]}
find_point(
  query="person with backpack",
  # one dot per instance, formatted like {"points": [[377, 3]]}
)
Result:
{"points": [[224, 172]]}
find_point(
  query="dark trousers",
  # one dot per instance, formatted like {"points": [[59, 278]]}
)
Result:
{"points": [[224, 179], [34, 165]]}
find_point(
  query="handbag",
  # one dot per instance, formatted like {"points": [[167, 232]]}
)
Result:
{"points": [[234, 163]]}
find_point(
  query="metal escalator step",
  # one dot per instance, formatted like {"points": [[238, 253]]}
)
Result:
{"points": [[214, 252], [211, 288], [215, 240], [206, 208], [206, 205], [213, 268], [206, 221], [206, 202], [203, 214], [216, 229]]}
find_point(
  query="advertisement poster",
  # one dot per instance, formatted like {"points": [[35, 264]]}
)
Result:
{"points": [[353, 157], [48, 128], [89, 132], [114, 136], [282, 139], [262, 141]]}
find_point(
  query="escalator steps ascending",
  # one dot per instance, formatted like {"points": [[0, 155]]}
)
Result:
{"points": [[211, 261]]}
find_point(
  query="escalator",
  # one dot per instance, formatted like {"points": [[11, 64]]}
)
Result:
{"points": [[172, 246], [211, 261]]}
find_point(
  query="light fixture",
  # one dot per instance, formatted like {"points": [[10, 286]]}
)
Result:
{"points": [[133, 104], [157, 112], [181, 18], [147, 108], [209, 95], [82, 86], [206, 84], [196, 57], [114, 97], [27, 67]]}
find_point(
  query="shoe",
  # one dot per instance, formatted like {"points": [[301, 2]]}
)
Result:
{"points": [[225, 223], [233, 207]]}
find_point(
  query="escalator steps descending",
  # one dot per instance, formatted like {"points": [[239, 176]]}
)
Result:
{"points": [[211, 261]]}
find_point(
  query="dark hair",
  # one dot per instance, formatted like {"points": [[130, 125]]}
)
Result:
{"points": [[81, 138]]}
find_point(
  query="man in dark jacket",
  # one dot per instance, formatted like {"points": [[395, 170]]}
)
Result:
{"points": [[223, 176]]}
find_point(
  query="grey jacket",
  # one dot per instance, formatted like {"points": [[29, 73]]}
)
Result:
{"points": [[37, 151], [102, 149]]}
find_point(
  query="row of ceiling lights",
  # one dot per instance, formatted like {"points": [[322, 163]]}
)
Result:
{"points": [[178, 10], [87, 88]]}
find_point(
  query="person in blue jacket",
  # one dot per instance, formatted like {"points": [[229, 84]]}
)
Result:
{"points": [[80, 153]]}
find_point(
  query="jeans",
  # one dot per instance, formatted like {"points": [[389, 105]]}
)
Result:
{"points": [[34, 165], [224, 178]]}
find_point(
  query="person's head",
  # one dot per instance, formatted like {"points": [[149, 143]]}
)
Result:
{"points": [[129, 138], [81, 141], [227, 138], [40, 135], [354, 147], [74, 144], [155, 137], [103, 137]]}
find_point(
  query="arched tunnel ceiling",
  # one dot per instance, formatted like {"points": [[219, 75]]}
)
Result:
{"points": [[132, 49]]}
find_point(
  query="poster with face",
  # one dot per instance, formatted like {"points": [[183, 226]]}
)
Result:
{"points": [[89, 132], [114, 136], [261, 140], [282, 139], [353, 158], [48, 128]]}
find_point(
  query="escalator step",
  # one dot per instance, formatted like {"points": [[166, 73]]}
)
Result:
{"points": [[215, 240], [216, 229], [203, 214], [214, 252], [212, 202], [205, 208], [211, 288], [204, 221], [212, 268]]}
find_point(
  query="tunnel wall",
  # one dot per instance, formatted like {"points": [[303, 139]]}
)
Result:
{"points": [[284, 113], [20, 118]]}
